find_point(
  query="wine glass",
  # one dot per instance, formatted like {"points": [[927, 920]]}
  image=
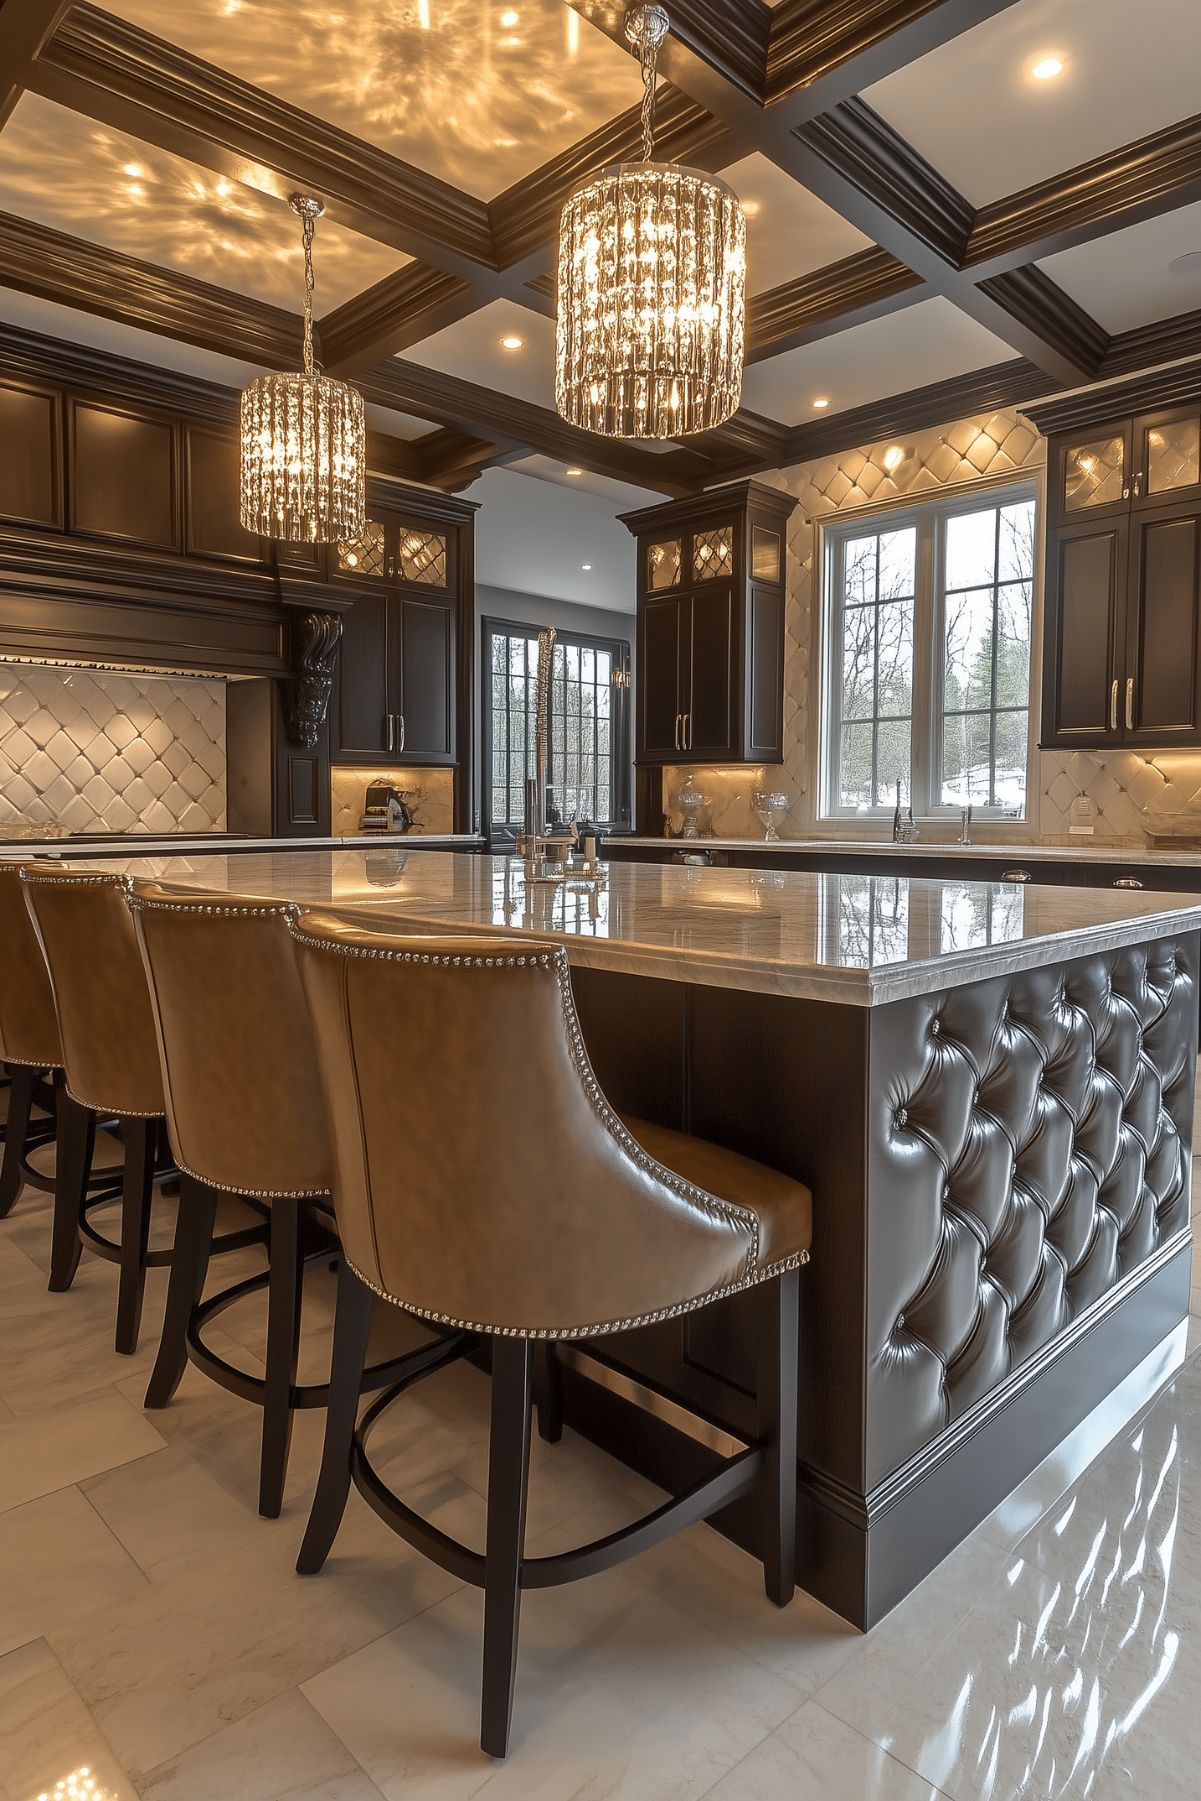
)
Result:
{"points": [[768, 807]]}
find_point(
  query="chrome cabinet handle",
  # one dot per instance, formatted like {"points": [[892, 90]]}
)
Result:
{"points": [[688, 731], [401, 720], [678, 731], [1113, 706], [391, 718], [1137, 484], [1129, 703], [1127, 881], [1015, 875]]}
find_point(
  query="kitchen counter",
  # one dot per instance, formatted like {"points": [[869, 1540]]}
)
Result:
{"points": [[1091, 851], [861, 941], [988, 1089], [148, 844]]}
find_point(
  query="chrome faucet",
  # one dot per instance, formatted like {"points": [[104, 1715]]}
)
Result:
{"points": [[532, 839], [965, 824], [904, 830]]}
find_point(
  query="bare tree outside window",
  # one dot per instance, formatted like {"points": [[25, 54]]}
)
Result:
{"points": [[928, 624]]}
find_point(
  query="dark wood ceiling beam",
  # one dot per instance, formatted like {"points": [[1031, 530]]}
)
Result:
{"points": [[126, 78], [864, 286], [520, 426], [452, 459], [398, 311], [1165, 341], [1154, 175], [820, 55], [940, 403], [72, 272], [25, 25]]}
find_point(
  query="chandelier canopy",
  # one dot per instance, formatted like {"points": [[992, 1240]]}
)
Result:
{"points": [[652, 273], [304, 440]]}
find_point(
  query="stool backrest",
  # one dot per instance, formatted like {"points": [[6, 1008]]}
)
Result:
{"points": [[243, 1100], [83, 922], [480, 1175], [28, 1026]]}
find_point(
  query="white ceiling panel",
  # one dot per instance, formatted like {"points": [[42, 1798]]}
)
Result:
{"points": [[1124, 280], [535, 538], [789, 231], [974, 110], [474, 91], [79, 177], [929, 342], [621, 496], [471, 348]]}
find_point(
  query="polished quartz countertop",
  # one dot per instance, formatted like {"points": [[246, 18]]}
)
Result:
{"points": [[1093, 851], [855, 939], [191, 843]]}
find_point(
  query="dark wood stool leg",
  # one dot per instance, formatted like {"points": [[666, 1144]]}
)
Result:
{"points": [[548, 1391], [189, 1266], [352, 1329], [137, 1187], [777, 1411], [508, 1478], [20, 1100], [283, 1348], [75, 1141]]}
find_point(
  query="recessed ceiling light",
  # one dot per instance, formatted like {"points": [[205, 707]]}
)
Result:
{"points": [[1047, 68], [821, 403], [512, 342], [1188, 264], [585, 567], [752, 208]]}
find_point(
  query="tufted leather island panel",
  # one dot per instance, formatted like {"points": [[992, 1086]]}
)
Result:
{"points": [[1029, 1146]]}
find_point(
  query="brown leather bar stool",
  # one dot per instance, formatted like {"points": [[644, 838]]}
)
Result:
{"points": [[598, 1225], [245, 1116], [110, 1071], [29, 1045]]}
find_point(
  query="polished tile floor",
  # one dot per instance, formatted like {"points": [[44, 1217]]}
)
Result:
{"points": [[155, 1642]]}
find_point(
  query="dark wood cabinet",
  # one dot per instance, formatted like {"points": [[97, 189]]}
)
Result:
{"points": [[397, 688], [710, 680], [1122, 636]]}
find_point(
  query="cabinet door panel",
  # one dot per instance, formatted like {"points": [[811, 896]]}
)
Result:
{"points": [[1161, 657], [1167, 457], [709, 692], [363, 697], [765, 674], [30, 472], [1084, 598], [660, 659], [425, 698]]}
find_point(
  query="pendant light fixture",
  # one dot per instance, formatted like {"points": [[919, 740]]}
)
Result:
{"points": [[303, 439], [652, 275]]}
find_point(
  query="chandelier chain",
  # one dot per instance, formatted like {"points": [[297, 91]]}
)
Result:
{"points": [[308, 226], [650, 57]]}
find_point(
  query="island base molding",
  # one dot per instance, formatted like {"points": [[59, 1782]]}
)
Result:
{"points": [[1000, 1176]]}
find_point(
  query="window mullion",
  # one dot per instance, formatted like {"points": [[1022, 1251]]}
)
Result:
{"points": [[925, 640]]}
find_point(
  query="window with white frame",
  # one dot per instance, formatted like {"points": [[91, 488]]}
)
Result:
{"points": [[928, 618]]}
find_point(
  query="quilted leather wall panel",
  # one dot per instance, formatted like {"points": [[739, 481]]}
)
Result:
{"points": [[1030, 1145], [101, 751]]}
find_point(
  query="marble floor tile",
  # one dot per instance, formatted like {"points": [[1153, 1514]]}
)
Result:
{"points": [[47, 1734], [168, 1512], [50, 1450], [221, 1638], [619, 1694], [282, 1752], [814, 1757], [57, 1560]]}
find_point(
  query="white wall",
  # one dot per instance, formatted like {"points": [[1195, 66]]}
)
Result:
{"points": [[532, 536]]}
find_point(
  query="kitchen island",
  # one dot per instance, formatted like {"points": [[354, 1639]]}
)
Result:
{"points": [[988, 1088]]}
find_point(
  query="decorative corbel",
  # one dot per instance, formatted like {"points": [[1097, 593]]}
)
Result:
{"points": [[315, 639]]}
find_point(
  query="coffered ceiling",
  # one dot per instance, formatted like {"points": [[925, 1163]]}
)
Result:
{"points": [[933, 228]]}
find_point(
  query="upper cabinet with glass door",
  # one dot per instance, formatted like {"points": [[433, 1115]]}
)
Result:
{"points": [[1127, 464], [1167, 457]]}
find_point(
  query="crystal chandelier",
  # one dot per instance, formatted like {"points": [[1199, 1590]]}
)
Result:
{"points": [[652, 271], [303, 439]]}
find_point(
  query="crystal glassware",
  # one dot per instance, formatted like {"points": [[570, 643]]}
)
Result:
{"points": [[768, 807], [691, 803]]}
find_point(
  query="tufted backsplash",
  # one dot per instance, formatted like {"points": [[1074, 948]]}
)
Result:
{"points": [[99, 750], [1131, 795]]}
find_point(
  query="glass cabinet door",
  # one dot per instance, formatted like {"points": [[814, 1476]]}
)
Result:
{"points": [[1094, 473], [1167, 460]]}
